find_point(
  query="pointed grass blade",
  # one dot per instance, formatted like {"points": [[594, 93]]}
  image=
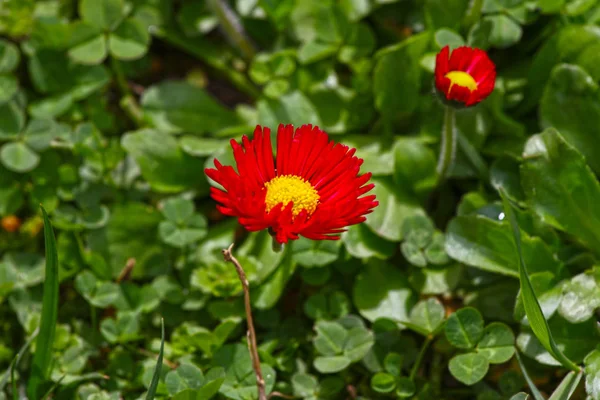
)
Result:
{"points": [[567, 387], [159, 362], [536, 318], [42, 359], [534, 390]]}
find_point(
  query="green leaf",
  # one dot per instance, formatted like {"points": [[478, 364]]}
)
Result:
{"points": [[567, 386], [382, 291], [361, 242], [178, 210], [359, 342], [574, 340], [330, 338], [12, 120], [445, 13], [177, 107], [398, 94], [395, 206], [468, 368], [91, 52], [105, 14], [359, 42], [383, 382], [43, 357], [214, 379], [199, 147], [40, 132], [550, 6], [561, 188], [315, 50], [292, 108], [311, 253], [17, 157], [414, 165], [156, 375], [166, 167], [592, 374], [130, 40], [240, 380], [520, 396], [271, 290], [8, 87], [428, 315], [406, 387], [481, 242], [571, 104], [9, 57], [186, 376], [574, 43], [497, 343], [331, 364], [580, 298], [464, 328], [538, 323], [304, 385], [505, 31], [446, 37]]}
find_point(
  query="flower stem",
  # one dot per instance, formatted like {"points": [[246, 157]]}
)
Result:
{"points": [[448, 147], [252, 346], [417, 364], [276, 246]]}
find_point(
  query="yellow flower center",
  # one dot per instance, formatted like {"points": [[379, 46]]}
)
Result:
{"points": [[290, 188], [461, 78]]}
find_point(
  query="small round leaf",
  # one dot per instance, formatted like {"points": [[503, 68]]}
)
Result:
{"points": [[406, 387], [468, 368], [104, 14], [464, 328], [9, 57], [383, 382], [130, 40], [8, 87], [90, 52], [428, 315], [497, 343], [18, 157], [331, 365]]}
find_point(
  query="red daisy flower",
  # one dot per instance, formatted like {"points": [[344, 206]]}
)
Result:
{"points": [[467, 75], [313, 188]]}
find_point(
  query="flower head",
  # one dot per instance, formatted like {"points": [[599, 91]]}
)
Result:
{"points": [[313, 188], [466, 76]]}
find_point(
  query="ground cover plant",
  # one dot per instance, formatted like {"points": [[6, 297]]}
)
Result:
{"points": [[461, 178]]}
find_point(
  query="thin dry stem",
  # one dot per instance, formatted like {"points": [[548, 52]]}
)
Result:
{"points": [[252, 346], [282, 395], [126, 271]]}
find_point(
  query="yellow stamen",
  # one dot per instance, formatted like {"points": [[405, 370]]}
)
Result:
{"points": [[290, 188], [461, 78]]}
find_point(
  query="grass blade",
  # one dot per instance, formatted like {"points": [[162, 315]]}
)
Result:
{"points": [[565, 390], [10, 372], [42, 359], [534, 313], [53, 388], [534, 390], [159, 362]]}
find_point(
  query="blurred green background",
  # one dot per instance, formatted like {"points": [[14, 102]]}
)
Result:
{"points": [[111, 109]]}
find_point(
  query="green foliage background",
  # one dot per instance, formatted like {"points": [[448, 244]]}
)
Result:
{"points": [[111, 109]]}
